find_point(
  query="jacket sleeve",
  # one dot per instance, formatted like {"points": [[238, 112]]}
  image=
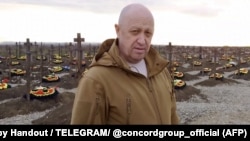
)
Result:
{"points": [[89, 103]]}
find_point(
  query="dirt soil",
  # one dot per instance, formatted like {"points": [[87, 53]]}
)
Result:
{"points": [[17, 104], [20, 105]]}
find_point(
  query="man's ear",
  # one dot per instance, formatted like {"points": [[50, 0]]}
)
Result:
{"points": [[117, 29]]}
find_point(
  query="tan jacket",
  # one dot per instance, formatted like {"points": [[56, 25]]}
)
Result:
{"points": [[110, 93]]}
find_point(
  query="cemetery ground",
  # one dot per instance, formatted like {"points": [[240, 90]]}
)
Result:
{"points": [[199, 102], [50, 110]]}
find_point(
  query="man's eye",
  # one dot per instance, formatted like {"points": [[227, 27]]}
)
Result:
{"points": [[148, 33], [135, 31]]}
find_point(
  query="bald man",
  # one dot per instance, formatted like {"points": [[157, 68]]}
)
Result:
{"points": [[127, 81]]}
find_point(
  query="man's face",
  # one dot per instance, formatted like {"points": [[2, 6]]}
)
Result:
{"points": [[135, 34]]}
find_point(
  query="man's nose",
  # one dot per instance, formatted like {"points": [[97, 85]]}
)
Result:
{"points": [[141, 39]]}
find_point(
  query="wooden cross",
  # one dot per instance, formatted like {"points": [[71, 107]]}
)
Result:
{"points": [[80, 59], [170, 54], [36, 49], [79, 39], [16, 49], [42, 62], [28, 44], [28, 60], [9, 58]]}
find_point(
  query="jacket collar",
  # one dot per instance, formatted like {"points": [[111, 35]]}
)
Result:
{"points": [[108, 55]]}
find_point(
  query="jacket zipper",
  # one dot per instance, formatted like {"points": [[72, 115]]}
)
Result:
{"points": [[154, 100]]}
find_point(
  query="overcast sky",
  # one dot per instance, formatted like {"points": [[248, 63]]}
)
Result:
{"points": [[181, 22]]}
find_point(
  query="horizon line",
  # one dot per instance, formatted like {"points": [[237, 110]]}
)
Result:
{"points": [[154, 44]]}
